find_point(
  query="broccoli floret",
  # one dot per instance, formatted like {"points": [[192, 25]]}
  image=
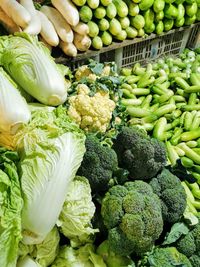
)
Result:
{"points": [[141, 155], [99, 163], [189, 245], [165, 257], [133, 216], [172, 194]]}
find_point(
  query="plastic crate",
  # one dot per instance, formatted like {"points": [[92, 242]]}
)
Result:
{"points": [[194, 38], [151, 49]]}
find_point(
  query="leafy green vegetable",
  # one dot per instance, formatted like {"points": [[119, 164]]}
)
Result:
{"points": [[82, 257], [77, 212], [29, 63], [51, 149], [13, 107], [44, 253], [27, 262], [10, 208]]}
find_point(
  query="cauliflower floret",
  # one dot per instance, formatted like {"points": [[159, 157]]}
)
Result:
{"points": [[82, 89], [92, 77], [106, 71], [92, 113], [82, 72]]}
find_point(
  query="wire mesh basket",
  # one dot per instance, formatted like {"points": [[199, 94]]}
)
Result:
{"points": [[148, 50], [194, 38]]}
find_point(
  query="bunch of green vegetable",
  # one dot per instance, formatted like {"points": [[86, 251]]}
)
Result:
{"points": [[117, 20], [163, 99]]}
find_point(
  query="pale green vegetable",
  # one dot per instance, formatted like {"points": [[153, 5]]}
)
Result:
{"points": [[46, 252], [10, 209], [43, 253], [51, 148], [77, 212], [29, 63], [82, 257], [13, 107], [27, 262]]}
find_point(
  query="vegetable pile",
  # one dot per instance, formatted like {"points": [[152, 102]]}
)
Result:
{"points": [[77, 25], [98, 168]]}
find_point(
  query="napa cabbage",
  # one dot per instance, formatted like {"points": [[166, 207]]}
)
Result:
{"points": [[13, 107], [77, 212], [51, 148], [10, 208], [30, 64]]}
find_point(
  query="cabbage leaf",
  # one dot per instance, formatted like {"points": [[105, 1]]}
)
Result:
{"points": [[77, 212], [51, 148], [13, 107], [83, 257], [10, 208]]}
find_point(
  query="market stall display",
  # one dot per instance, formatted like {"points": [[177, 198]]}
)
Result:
{"points": [[107, 174], [99, 160]]}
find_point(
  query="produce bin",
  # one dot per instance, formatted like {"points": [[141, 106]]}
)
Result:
{"points": [[171, 43], [141, 50], [194, 38]]}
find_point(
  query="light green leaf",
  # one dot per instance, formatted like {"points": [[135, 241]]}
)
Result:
{"points": [[77, 212], [10, 209]]}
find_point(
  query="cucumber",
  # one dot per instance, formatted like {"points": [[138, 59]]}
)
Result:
{"points": [[125, 22], [85, 14], [100, 12], [158, 5], [141, 32], [103, 24], [93, 29], [79, 2], [115, 27], [97, 43], [106, 2], [159, 16], [145, 4], [137, 22], [131, 32], [122, 8], [179, 23], [106, 38], [111, 11], [121, 36], [93, 3], [159, 27]]}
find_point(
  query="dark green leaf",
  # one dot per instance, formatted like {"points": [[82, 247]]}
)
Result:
{"points": [[177, 230]]}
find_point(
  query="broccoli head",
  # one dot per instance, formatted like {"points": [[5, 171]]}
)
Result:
{"points": [[172, 194], [189, 245], [99, 163], [141, 155], [165, 257], [133, 216]]}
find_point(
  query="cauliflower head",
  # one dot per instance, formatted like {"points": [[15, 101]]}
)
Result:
{"points": [[91, 113]]}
